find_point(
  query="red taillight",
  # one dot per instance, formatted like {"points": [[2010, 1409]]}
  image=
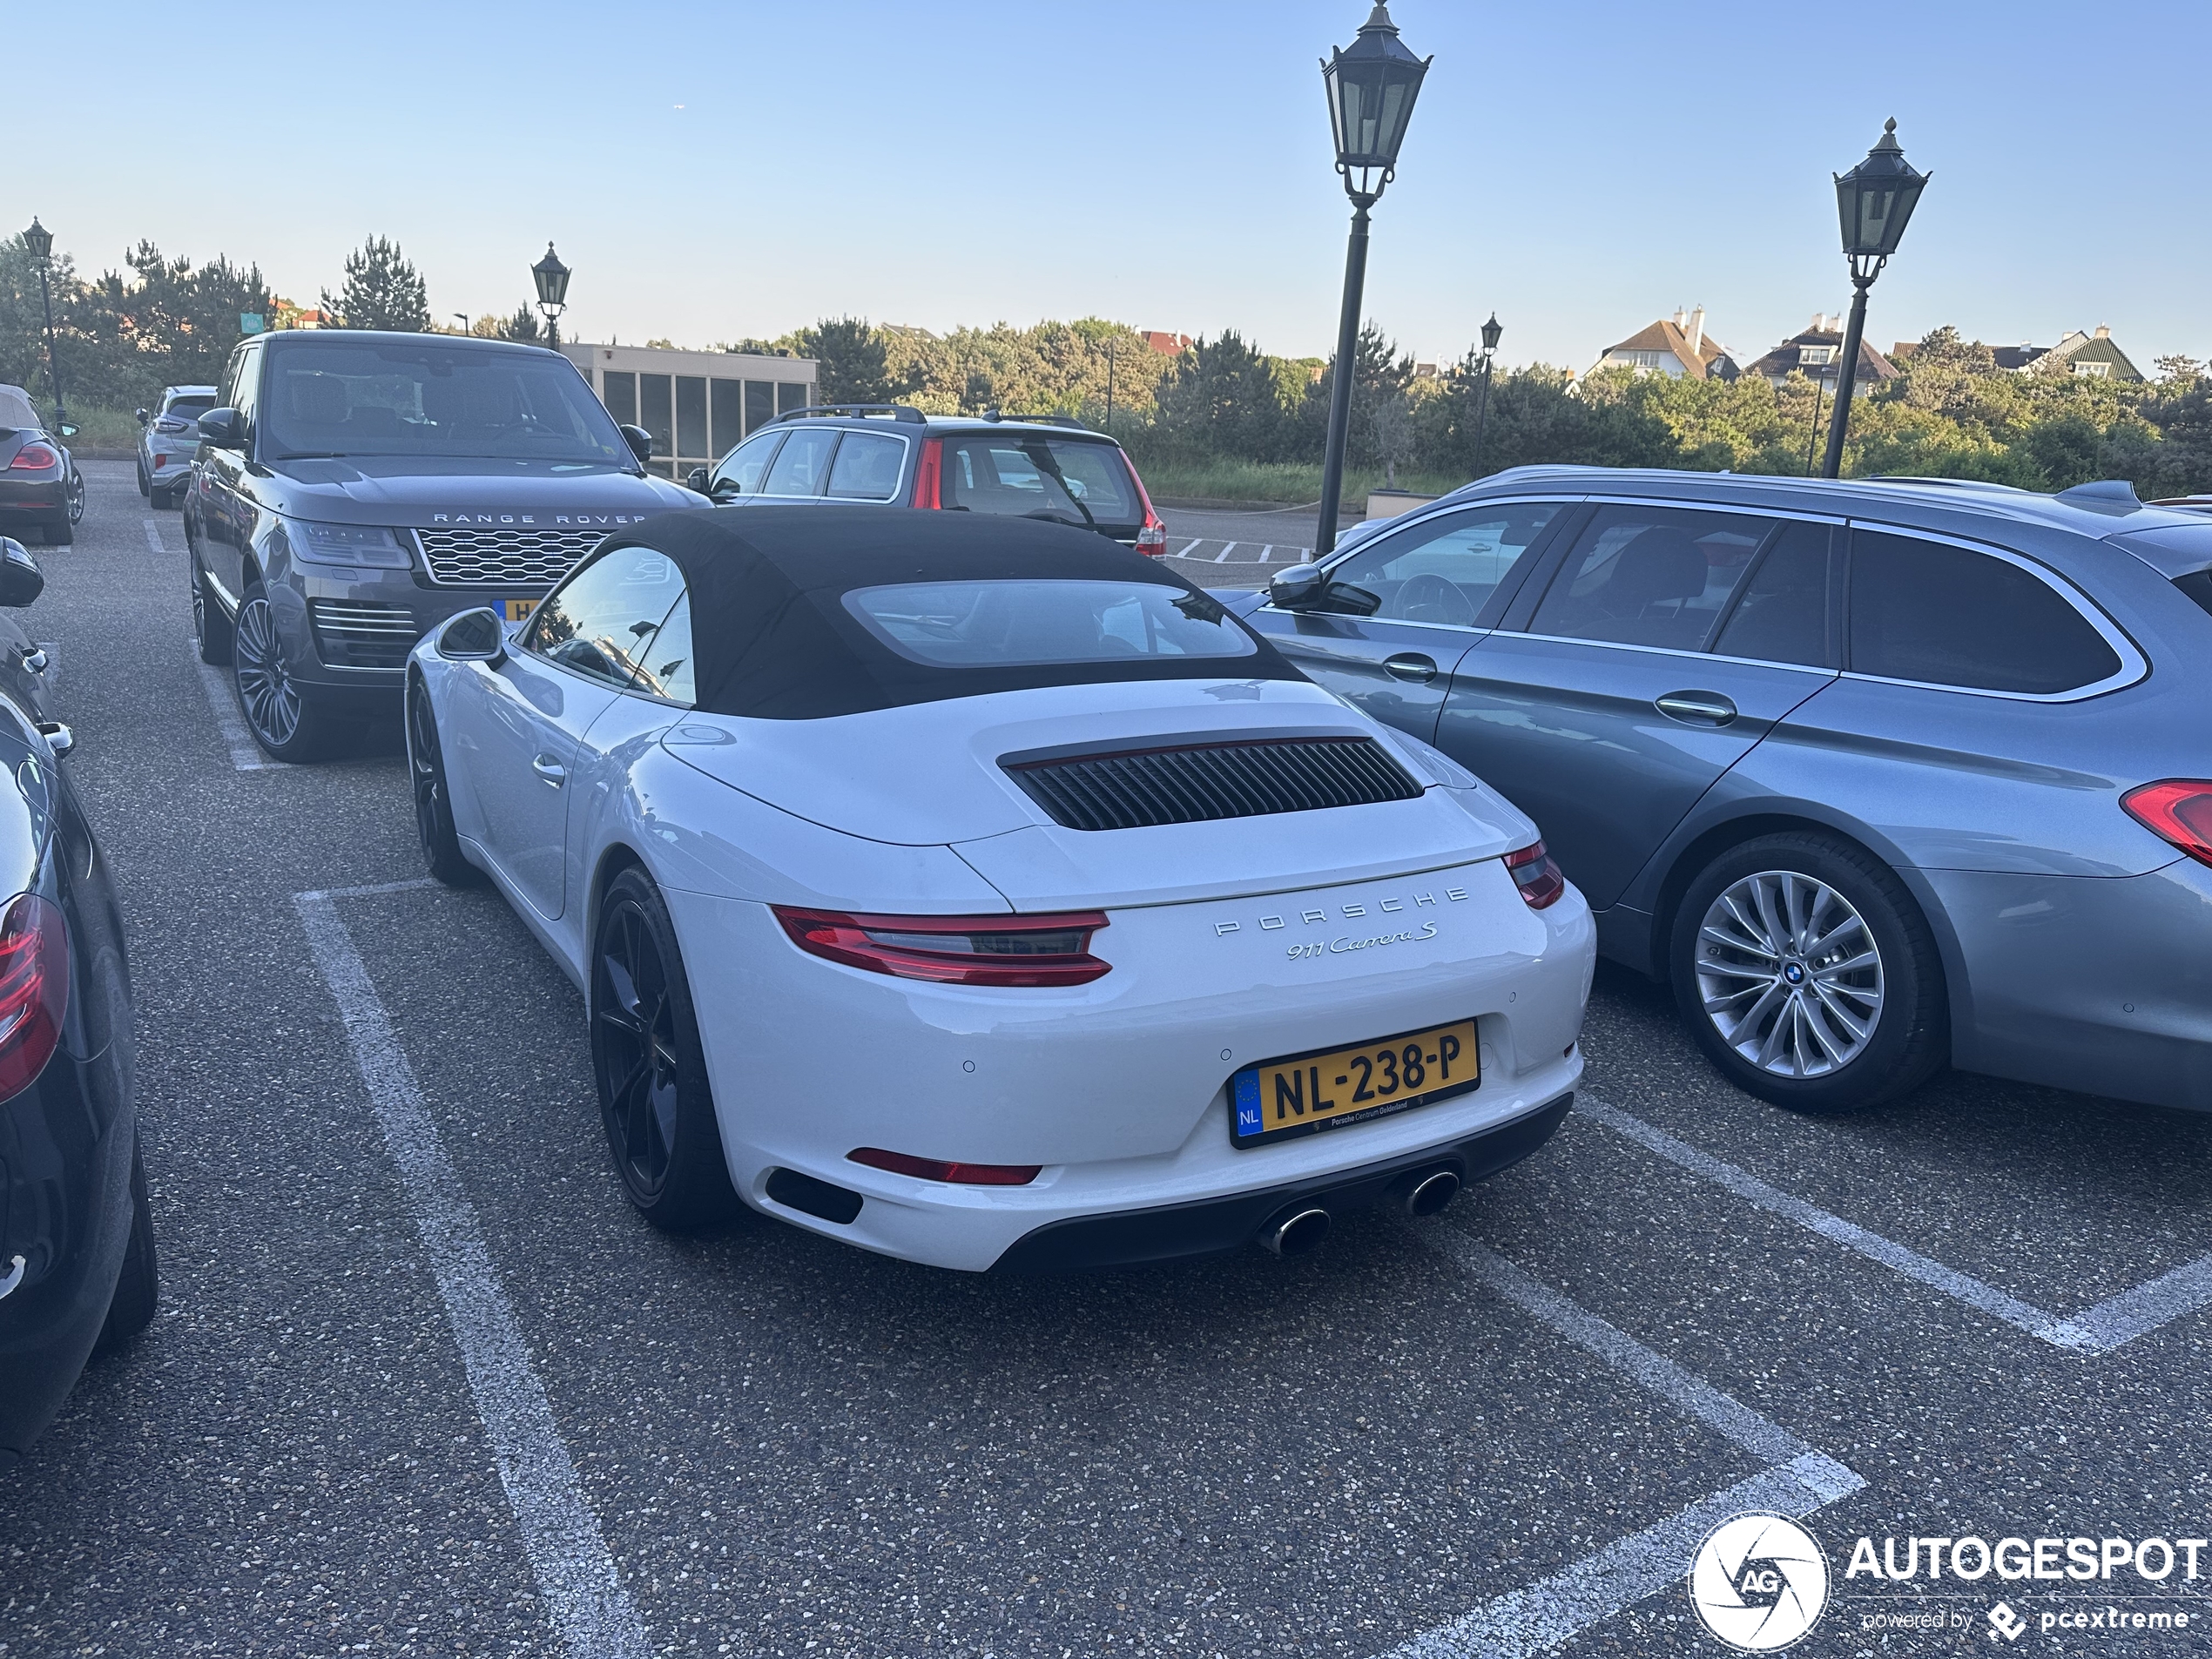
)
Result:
{"points": [[159, 462], [2178, 810], [929, 474], [954, 950], [1152, 540], [961, 1175], [1537, 875], [34, 989], [35, 457]]}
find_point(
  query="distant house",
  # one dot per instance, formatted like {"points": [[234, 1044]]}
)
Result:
{"points": [[1167, 344], [1676, 346], [1817, 354], [2091, 355]]}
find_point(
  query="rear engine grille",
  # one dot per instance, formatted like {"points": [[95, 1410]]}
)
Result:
{"points": [[355, 634], [510, 557], [1140, 788]]}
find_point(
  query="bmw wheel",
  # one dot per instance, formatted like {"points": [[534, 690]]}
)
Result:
{"points": [[284, 721], [433, 823], [1808, 974], [649, 1064]]}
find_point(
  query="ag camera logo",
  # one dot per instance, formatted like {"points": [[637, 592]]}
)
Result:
{"points": [[1759, 1583]]}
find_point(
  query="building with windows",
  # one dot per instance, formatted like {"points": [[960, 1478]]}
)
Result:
{"points": [[1817, 354], [1678, 346], [2092, 356], [698, 405]]}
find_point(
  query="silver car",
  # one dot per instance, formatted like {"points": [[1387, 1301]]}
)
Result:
{"points": [[168, 434], [1878, 775]]}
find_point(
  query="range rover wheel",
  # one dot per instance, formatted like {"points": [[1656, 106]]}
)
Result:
{"points": [[433, 804], [283, 718], [1808, 974], [209, 625], [649, 1065]]}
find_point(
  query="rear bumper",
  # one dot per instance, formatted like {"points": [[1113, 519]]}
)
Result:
{"points": [[1179, 1232], [35, 499]]}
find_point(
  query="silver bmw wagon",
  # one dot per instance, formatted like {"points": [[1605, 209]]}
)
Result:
{"points": [[1881, 775]]}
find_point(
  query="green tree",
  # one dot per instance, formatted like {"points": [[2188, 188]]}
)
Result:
{"points": [[524, 326], [854, 364], [1225, 397], [381, 291]]}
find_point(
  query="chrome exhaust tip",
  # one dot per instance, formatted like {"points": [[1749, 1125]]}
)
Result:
{"points": [[1432, 1192], [1297, 1233]]}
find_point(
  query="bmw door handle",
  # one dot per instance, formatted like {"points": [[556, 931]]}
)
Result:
{"points": [[1410, 665], [550, 769], [1696, 708]]}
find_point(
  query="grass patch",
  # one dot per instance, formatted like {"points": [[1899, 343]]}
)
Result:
{"points": [[100, 429], [1222, 478]]}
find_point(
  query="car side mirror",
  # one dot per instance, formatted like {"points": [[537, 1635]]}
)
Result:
{"points": [[142, 418], [223, 430], [640, 442], [1296, 587], [697, 479], [66, 429], [21, 580], [478, 636]]}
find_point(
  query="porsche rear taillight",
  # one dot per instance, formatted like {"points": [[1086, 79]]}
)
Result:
{"points": [[35, 457], [954, 950], [959, 1175], [929, 474], [2179, 811], [34, 989], [1537, 875]]}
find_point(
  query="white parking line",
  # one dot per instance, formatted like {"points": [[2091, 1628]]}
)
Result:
{"points": [[153, 537], [1227, 548], [1186, 551], [246, 756], [2098, 1330], [585, 1600], [1538, 1617]]}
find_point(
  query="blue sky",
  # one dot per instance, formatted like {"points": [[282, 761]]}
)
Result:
{"points": [[717, 171]]}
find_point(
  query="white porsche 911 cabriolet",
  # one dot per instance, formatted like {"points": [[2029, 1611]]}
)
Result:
{"points": [[979, 892]]}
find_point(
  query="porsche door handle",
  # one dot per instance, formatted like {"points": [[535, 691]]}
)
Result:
{"points": [[1696, 708], [1410, 665], [550, 769]]}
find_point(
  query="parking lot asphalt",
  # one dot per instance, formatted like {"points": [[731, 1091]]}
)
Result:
{"points": [[422, 1383], [1237, 548]]}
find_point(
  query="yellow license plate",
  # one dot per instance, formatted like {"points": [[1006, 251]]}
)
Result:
{"points": [[1331, 1087], [519, 610]]}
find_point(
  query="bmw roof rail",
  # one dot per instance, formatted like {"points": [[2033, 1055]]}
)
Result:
{"points": [[997, 415], [897, 411]]}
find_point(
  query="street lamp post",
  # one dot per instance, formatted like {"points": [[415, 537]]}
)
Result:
{"points": [[1492, 333], [1875, 201], [1372, 85], [552, 279], [39, 241]]}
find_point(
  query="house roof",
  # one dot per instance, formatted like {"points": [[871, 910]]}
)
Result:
{"points": [[1667, 335], [2098, 348], [1789, 355]]}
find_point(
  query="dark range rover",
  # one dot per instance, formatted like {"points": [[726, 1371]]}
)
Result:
{"points": [[355, 490]]}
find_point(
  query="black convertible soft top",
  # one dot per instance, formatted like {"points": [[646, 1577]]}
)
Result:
{"points": [[771, 638]]}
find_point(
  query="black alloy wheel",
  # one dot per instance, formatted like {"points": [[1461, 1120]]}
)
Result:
{"points": [[651, 1068], [433, 823], [76, 496], [1809, 976], [284, 721], [209, 625]]}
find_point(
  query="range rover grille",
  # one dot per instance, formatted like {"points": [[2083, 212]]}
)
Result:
{"points": [[1140, 788], [357, 634], [527, 558]]}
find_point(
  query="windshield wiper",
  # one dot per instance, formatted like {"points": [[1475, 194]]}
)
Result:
{"points": [[1041, 457]]}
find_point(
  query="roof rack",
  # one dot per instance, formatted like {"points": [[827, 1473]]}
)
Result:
{"points": [[997, 416], [897, 411]]}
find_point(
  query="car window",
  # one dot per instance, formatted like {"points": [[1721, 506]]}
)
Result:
{"points": [[602, 620], [1783, 616], [1650, 575], [665, 665], [1018, 622], [1948, 615], [1445, 569], [743, 468], [190, 409], [246, 396], [867, 468], [801, 464], [1028, 475]]}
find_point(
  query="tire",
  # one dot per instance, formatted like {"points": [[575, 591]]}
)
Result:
{"points": [[58, 532], [654, 1098], [137, 1290], [145, 484], [1858, 1020], [209, 625], [76, 496], [285, 720], [434, 824]]}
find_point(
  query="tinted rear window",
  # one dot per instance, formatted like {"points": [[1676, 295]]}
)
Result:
{"points": [[189, 408], [1026, 474], [1929, 611]]}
